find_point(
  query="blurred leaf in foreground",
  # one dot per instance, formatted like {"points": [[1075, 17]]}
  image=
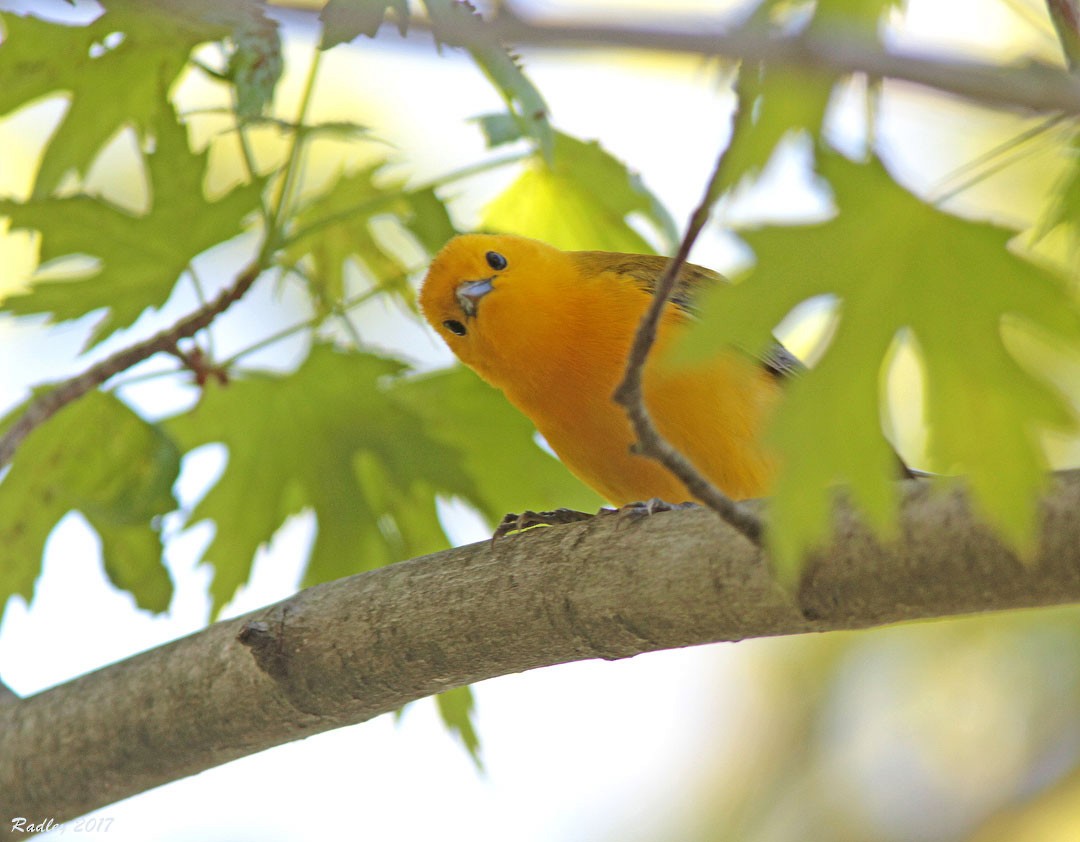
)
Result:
{"points": [[343, 20], [899, 267]]}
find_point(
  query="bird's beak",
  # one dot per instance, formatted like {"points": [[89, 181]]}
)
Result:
{"points": [[469, 294]]}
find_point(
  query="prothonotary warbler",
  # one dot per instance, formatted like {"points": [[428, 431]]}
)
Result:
{"points": [[552, 330]]}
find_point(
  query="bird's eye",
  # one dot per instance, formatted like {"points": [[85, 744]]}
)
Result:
{"points": [[455, 327], [496, 261]]}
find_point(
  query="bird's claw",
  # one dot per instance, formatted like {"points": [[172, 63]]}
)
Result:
{"points": [[644, 508], [514, 522]]}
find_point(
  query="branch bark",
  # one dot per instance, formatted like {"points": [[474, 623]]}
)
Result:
{"points": [[342, 653], [1031, 87]]}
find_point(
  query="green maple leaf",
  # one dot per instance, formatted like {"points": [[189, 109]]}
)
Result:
{"points": [[115, 70], [140, 257], [121, 482], [852, 17], [496, 442], [580, 201], [498, 128], [774, 102], [335, 229], [331, 437], [899, 265], [1063, 209], [343, 20], [39, 58], [456, 708]]}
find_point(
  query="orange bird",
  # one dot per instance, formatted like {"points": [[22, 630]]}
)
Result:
{"points": [[552, 330]]}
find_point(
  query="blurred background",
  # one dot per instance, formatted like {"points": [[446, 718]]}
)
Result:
{"points": [[961, 730]]}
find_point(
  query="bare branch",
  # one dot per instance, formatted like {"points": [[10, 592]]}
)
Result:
{"points": [[45, 406], [1032, 87], [630, 393], [344, 652]]}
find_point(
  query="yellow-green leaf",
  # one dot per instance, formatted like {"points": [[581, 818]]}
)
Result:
{"points": [[583, 200]]}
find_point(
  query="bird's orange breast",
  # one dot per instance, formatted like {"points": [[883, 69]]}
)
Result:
{"points": [[712, 413]]}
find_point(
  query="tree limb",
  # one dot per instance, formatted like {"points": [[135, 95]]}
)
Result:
{"points": [[43, 407], [347, 651], [1033, 87]]}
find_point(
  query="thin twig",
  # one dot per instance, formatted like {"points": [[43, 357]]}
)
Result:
{"points": [[247, 156], [294, 163], [995, 160], [48, 404], [307, 324], [45, 406], [631, 395], [1065, 16]]}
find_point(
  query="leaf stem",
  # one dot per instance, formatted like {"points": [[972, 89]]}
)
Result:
{"points": [[984, 166], [248, 157], [307, 324], [293, 163]]}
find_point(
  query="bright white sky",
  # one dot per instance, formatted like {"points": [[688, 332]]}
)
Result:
{"points": [[581, 752]]}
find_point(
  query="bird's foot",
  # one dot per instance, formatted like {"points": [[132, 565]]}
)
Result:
{"points": [[514, 522], [635, 511]]}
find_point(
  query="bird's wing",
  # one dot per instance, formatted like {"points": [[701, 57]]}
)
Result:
{"points": [[780, 362], [645, 270]]}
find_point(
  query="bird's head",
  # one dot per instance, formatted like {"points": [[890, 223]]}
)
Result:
{"points": [[485, 293]]}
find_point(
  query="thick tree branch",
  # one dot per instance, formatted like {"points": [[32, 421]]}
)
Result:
{"points": [[42, 408], [344, 652]]}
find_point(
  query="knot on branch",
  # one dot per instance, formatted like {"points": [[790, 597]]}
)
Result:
{"points": [[276, 644], [267, 647]]}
